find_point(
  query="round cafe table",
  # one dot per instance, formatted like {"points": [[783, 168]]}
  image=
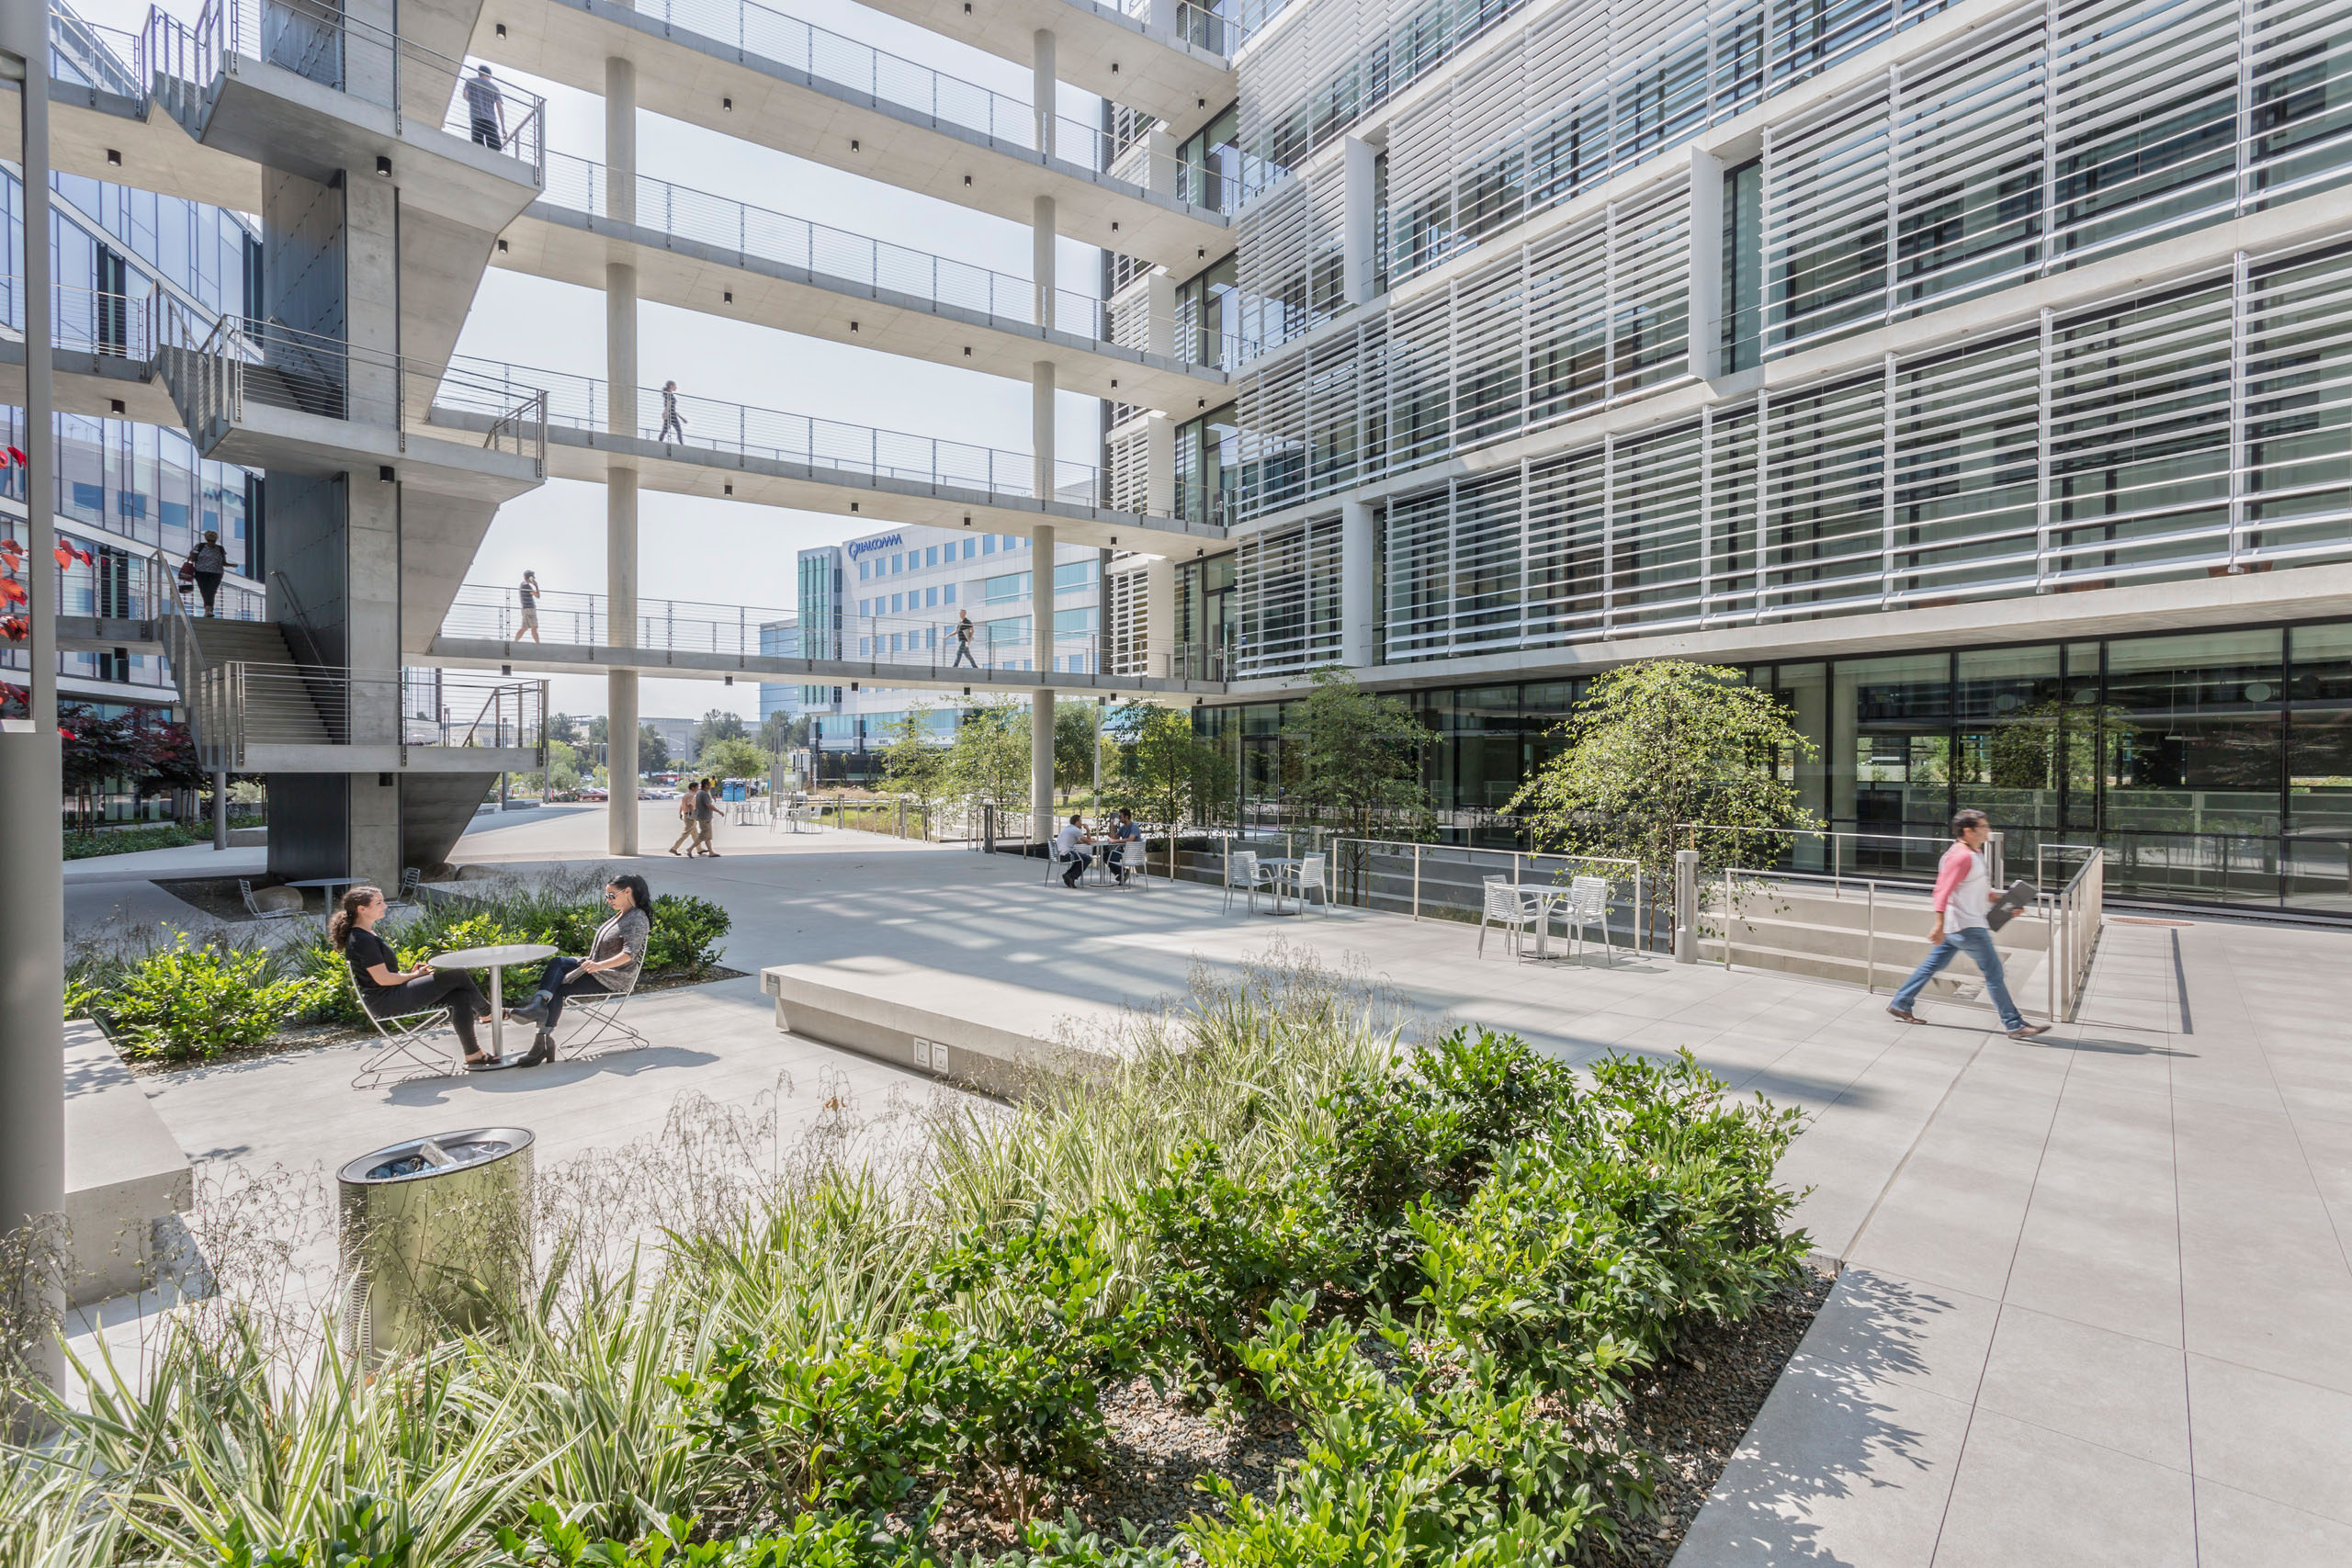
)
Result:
{"points": [[494, 959]]}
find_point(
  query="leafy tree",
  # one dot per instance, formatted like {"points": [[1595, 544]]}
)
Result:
{"points": [[719, 725], [913, 762], [564, 727], [1167, 773], [599, 730], [1356, 759], [1073, 745], [1658, 745], [653, 751], [989, 759], [732, 757], [783, 732]]}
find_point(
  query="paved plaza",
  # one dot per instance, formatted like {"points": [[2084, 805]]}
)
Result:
{"points": [[2095, 1305]]}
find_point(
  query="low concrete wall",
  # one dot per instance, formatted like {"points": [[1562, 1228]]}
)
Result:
{"points": [[932, 1022], [247, 838], [125, 1174]]}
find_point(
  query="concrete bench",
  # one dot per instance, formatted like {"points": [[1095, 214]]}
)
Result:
{"points": [[125, 1174], [931, 1020]]}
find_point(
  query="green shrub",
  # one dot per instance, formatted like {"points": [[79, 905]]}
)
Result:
{"points": [[685, 935], [129, 840], [1221, 1251], [187, 1003]]}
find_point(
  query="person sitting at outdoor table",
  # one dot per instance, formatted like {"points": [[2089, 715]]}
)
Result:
{"points": [[612, 965], [386, 990], [1067, 846], [1124, 831]]}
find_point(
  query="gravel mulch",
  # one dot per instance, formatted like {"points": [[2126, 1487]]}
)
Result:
{"points": [[1692, 1414]]}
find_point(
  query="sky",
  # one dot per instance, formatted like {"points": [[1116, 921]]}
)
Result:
{"points": [[723, 551]]}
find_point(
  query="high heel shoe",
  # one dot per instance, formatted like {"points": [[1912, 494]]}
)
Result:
{"points": [[533, 1010], [542, 1051]]}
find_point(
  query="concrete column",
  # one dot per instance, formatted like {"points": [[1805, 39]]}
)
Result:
{"points": [[32, 919], [1041, 707], [621, 478], [220, 811], [1359, 614], [1042, 92], [1042, 267], [1358, 265], [1706, 316], [1159, 627], [1686, 906]]}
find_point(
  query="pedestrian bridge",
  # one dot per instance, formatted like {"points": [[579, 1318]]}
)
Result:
{"points": [[698, 640]]}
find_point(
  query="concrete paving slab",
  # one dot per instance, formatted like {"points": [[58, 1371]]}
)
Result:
{"points": [[2108, 1389], [2280, 1438], [2027, 1494]]}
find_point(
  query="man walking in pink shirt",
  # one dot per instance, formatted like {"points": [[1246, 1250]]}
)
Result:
{"points": [[1963, 896]]}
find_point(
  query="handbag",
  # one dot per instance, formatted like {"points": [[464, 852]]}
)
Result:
{"points": [[2019, 896], [187, 575]]}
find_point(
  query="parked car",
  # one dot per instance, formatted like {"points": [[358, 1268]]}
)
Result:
{"points": [[591, 792]]}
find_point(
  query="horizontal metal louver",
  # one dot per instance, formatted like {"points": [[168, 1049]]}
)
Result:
{"points": [[1288, 581]]}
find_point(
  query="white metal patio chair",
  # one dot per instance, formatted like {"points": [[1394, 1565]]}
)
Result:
{"points": [[410, 1049], [593, 1021], [1506, 906], [1134, 860], [270, 903], [411, 879], [1243, 874], [1588, 906], [1309, 879]]}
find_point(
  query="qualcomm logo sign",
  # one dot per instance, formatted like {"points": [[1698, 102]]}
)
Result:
{"points": [[867, 547]]}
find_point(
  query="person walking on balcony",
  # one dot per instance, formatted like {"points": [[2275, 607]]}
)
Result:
{"points": [[206, 563], [963, 630], [671, 419], [487, 109], [1962, 899], [528, 593]]}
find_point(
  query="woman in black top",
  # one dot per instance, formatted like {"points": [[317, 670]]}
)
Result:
{"points": [[386, 990]]}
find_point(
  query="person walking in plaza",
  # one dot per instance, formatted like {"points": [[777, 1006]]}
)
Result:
{"points": [[484, 107], [206, 563], [964, 638], [528, 594], [706, 816], [1962, 899], [671, 419], [387, 991], [615, 956], [685, 820]]}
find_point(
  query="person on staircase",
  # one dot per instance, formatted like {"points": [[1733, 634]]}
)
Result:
{"points": [[206, 563]]}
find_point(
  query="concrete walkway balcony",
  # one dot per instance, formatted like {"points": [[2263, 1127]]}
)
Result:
{"points": [[776, 458], [709, 253], [686, 638], [748, 72], [1163, 58], [295, 85]]}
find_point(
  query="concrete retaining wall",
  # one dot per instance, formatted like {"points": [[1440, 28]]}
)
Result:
{"points": [[125, 1174]]}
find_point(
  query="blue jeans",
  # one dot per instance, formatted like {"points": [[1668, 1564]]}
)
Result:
{"points": [[1978, 942]]}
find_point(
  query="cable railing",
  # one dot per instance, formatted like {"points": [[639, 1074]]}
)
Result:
{"points": [[94, 56], [1200, 25], [217, 367], [487, 612], [584, 402], [315, 40], [585, 185], [89, 320], [238, 705], [827, 56]]}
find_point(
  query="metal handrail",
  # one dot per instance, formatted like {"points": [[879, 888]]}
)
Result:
{"points": [[2076, 916], [318, 42], [297, 625], [1631, 870]]}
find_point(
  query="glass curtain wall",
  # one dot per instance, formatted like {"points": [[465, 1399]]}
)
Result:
{"points": [[2214, 767]]}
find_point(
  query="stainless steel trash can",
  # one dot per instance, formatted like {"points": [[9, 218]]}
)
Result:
{"points": [[435, 1238]]}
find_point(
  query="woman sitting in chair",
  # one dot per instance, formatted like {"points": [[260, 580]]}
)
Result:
{"points": [[386, 990], [613, 962]]}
